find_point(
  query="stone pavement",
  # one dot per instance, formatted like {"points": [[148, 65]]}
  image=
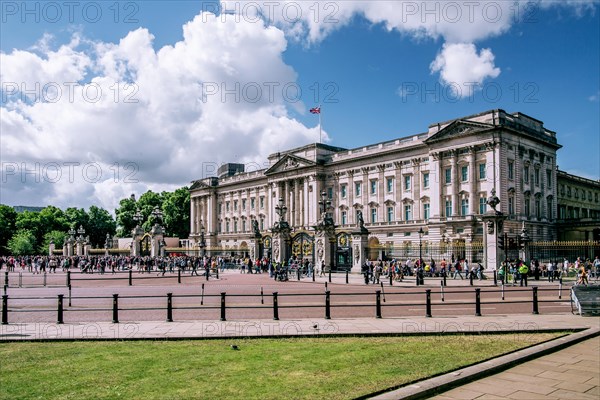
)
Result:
{"points": [[572, 373]]}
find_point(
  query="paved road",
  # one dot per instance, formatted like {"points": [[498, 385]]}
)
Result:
{"points": [[91, 297]]}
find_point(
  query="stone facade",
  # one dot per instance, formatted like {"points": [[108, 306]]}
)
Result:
{"points": [[437, 180], [578, 214]]}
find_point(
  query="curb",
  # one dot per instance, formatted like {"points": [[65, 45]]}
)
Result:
{"points": [[443, 383]]}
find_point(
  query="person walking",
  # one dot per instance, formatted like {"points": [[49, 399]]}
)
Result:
{"points": [[523, 271]]}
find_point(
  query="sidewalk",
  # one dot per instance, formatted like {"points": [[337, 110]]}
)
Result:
{"points": [[572, 373]]}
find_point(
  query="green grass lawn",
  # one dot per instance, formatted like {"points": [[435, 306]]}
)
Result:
{"points": [[295, 368]]}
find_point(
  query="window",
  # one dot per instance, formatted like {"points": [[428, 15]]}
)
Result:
{"points": [[390, 185], [243, 225], [482, 205], [243, 204], [407, 182], [576, 193], [373, 215], [426, 180], [227, 227], [568, 191], [536, 175], [589, 195], [464, 207], [356, 216], [527, 207], [373, 186], [526, 174], [538, 209], [464, 173], [549, 208], [426, 211], [408, 212], [343, 191], [344, 217], [596, 197], [549, 178], [511, 205], [261, 202], [235, 205], [357, 187], [330, 193], [227, 206], [220, 208], [390, 214], [235, 226], [448, 208], [481, 171], [511, 170], [252, 203], [448, 175]]}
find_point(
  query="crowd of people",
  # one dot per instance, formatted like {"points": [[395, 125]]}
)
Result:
{"points": [[511, 271]]}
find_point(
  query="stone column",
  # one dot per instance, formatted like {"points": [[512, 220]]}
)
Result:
{"points": [[305, 211], [324, 243], [473, 169], [51, 248], [297, 208], [455, 183], [360, 241], [381, 193]]}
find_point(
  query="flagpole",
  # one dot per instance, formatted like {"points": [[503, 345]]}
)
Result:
{"points": [[320, 134]]}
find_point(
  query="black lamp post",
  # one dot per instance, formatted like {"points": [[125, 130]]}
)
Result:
{"points": [[421, 233], [202, 243]]}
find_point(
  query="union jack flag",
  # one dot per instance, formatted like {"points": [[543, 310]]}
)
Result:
{"points": [[316, 110]]}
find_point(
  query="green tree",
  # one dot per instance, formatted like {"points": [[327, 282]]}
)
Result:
{"points": [[176, 209], [8, 219], [77, 217], [58, 237], [22, 243], [125, 212], [100, 223], [147, 203], [31, 221]]}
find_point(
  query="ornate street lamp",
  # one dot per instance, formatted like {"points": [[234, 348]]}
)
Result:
{"points": [[157, 214], [137, 217], [421, 233], [281, 209], [202, 243]]}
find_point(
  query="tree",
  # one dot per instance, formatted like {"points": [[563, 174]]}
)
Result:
{"points": [[77, 217], [147, 203], [176, 209], [31, 221], [100, 223], [22, 243], [58, 237], [8, 219], [125, 212]]}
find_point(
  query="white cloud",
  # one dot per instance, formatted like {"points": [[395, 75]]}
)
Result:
{"points": [[463, 69], [139, 117]]}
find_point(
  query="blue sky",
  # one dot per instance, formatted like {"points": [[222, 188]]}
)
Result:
{"points": [[369, 70]]}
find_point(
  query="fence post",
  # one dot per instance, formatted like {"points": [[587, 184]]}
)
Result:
{"points": [[442, 289], [445, 277], [313, 274], [4, 309], [495, 278], [417, 278], [471, 278], [559, 290], [130, 277], [535, 300], [223, 306], [298, 273], [115, 308], [68, 278], [169, 307], [69, 295], [502, 290], [391, 277], [44, 279], [346, 276], [478, 302], [275, 307], [428, 308], [262, 299], [327, 305], [20, 279], [6, 278], [179, 275], [60, 309], [329, 274], [378, 304]]}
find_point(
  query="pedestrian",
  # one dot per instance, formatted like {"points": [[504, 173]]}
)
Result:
{"points": [[523, 271]]}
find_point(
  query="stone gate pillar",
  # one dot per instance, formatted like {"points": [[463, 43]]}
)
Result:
{"points": [[493, 229]]}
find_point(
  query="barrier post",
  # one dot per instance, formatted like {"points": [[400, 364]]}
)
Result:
{"points": [[275, 307], [478, 302], [346, 276], [6, 278], [442, 289], [179, 275], [68, 278], [4, 309], [169, 307], [130, 277], [535, 300], [115, 308], [329, 274], [60, 309], [223, 307], [495, 278], [69, 295], [44, 278], [378, 304], [327, 305], [428, 303]]}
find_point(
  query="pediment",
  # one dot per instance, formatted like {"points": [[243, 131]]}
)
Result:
{"points": [[289, 162], [198, 185], [458, 128]]}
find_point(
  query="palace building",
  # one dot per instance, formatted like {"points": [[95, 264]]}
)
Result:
{"points": [[435, 182]]}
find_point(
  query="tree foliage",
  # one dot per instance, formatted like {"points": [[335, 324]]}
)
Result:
{"points": [[22, 243], [8, 219]]}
